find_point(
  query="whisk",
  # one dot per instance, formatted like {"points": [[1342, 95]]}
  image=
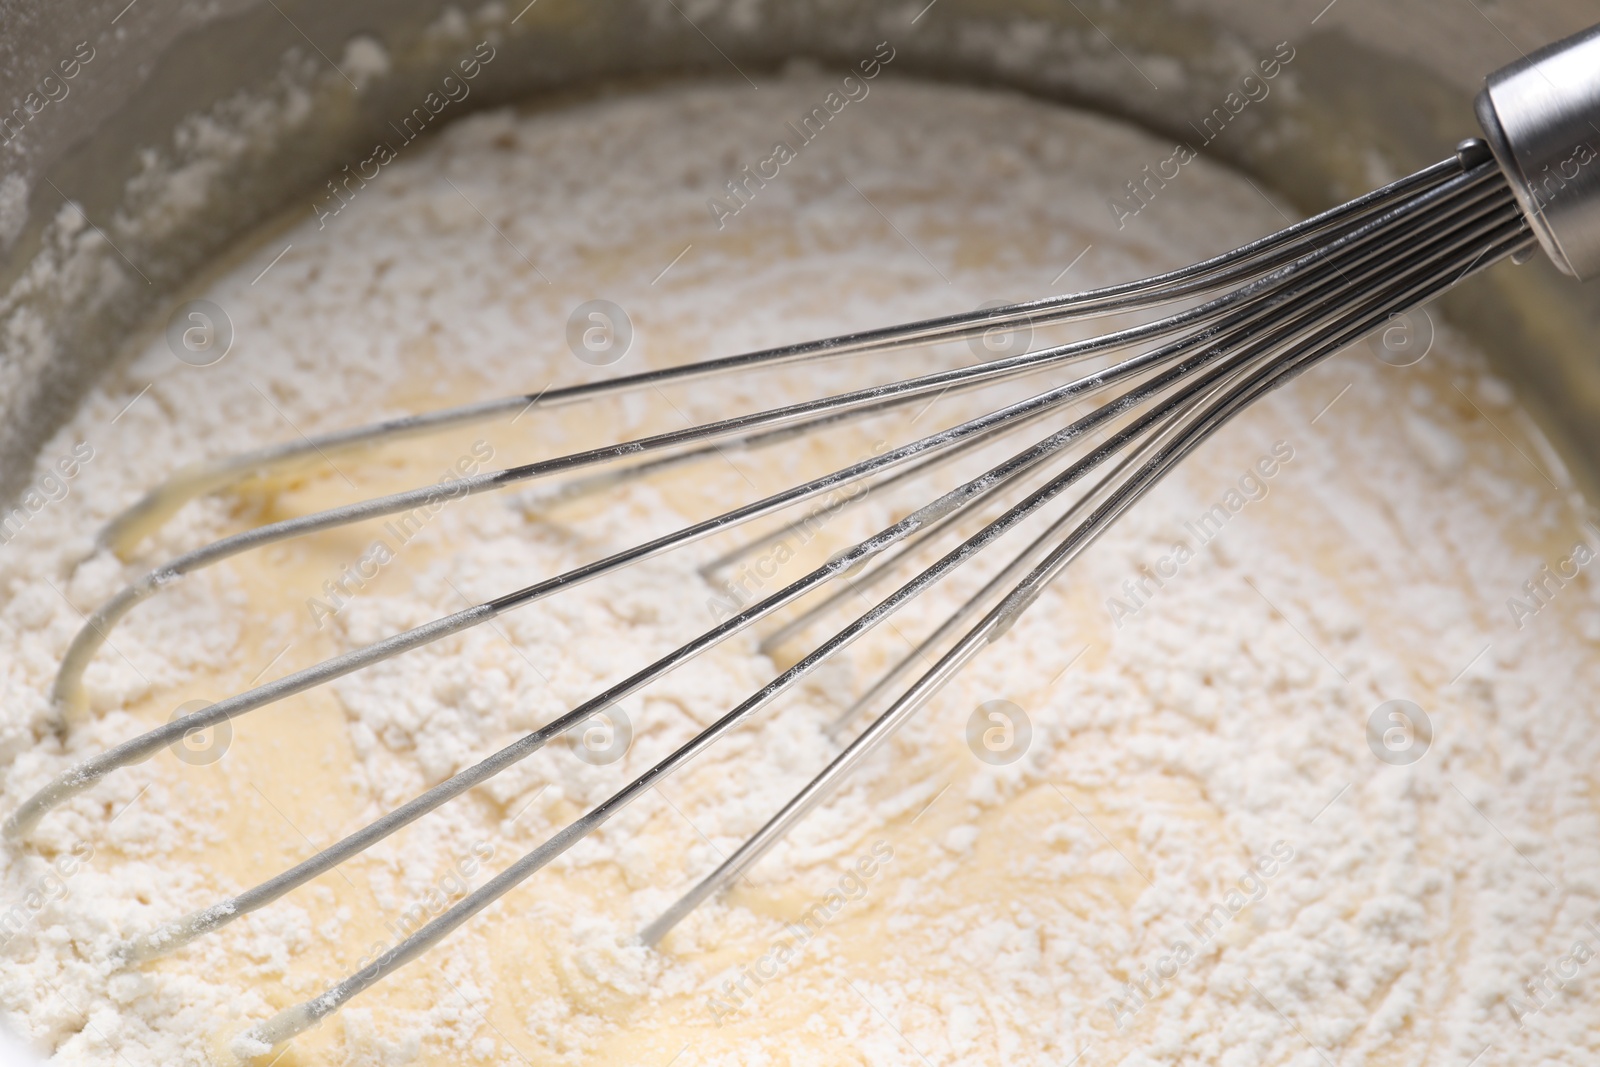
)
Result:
{"points": [[1216, 336]]}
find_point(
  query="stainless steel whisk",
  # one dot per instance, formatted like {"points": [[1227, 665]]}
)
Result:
{"points": [[1230, 330]]}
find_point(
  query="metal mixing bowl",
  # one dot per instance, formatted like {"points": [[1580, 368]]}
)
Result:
{"points": [[192, 123], [185, 125]]}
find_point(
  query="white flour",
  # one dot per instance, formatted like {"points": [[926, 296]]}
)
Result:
{"points": [[1029, 911]]}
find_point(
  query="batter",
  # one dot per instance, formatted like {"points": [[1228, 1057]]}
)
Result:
{"points": [[1181, 842]]}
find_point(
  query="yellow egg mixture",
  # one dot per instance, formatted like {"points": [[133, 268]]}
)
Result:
{"points": [[1186, 851]]}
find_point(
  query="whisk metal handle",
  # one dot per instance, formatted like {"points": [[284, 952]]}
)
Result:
{"points": [[1541, 116]]}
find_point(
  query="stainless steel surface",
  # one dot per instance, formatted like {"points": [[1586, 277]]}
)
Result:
{"points": [[113, 145], [1542, 117]]}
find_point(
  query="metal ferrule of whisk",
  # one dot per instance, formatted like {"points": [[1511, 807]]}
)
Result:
{"points": [[1221, 334], [1541, 116]]}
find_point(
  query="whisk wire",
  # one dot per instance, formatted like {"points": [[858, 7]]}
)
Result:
{"points": [[1118, 494], [1226, 332], [1452, 247], [155, 507]]}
